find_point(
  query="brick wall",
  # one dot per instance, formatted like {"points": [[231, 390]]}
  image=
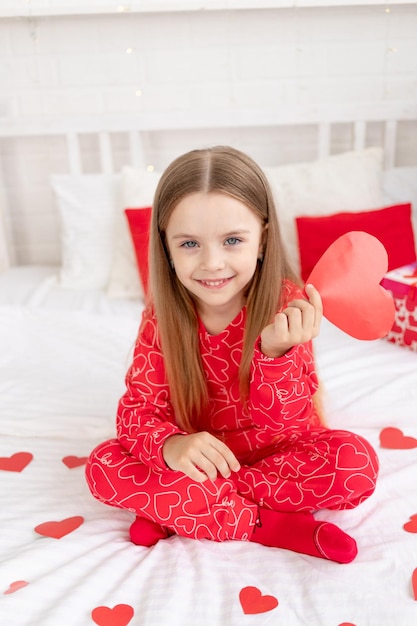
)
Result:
{"points": [[190, 60]]}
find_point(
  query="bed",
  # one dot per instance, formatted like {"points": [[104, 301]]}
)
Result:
{"points": [[66, 336]]}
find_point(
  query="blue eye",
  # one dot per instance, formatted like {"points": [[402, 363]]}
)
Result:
{"points": [[189, 244], [232, 241]]}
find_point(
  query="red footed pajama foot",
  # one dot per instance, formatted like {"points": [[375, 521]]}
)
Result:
{"points": [[301, 532], [334, 544], [144, 532]]}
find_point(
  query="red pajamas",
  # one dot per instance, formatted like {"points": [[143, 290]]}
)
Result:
{"points": [[289, 462]]}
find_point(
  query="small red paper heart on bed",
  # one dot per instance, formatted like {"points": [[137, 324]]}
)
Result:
{"points": [[15, 586], [56, 530], [394, 439], [16, 463], [347, 277], [74, 461], [119, 615], [252, 601], [411, 526], [414, 583]]}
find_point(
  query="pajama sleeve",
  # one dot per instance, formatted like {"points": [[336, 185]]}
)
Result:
{"points": [[145, 417], [281, 389]]}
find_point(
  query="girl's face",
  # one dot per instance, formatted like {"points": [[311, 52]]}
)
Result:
{"points": [[214, 242]]}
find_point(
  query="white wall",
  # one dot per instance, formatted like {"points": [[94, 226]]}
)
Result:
{"points": [[191, 60]]}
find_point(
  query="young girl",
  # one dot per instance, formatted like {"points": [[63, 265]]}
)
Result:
{"points": [[218, 435]]}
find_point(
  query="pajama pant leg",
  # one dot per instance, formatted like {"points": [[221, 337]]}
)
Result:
{"points": [[314, 470], [212, 510], [320, 469]]}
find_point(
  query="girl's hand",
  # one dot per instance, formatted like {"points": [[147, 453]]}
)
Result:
{"points": [[298, 323], [199, 456]]}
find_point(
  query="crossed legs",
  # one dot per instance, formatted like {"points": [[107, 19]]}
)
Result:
{"points": [[270, 502]]}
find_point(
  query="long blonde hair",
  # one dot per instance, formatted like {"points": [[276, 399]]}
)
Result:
{"points": [[224, 170]]}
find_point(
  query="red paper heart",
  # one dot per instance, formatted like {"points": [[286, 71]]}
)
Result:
{"points": [[414, 583], [119, 615], [394, 439], [56, 530], [411, 526], [252, 601], [347, 277], [74, 461], [15, 586], [15, 463]]}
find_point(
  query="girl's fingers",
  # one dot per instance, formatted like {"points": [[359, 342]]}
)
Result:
{"points": [[227, 456], [315, 300], [306, 314], [200, 456], [222, 461], [205, 465], [194, 473], [298, 323]]}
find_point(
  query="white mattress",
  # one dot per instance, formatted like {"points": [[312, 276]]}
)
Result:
{"points": [[62, 366], [38, 287]]}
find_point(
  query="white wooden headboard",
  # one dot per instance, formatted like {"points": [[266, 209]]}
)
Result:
{"points": [[324, 117], [22, 209]]}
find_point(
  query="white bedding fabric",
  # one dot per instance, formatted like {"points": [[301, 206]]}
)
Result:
{"points": [[61, 374]]}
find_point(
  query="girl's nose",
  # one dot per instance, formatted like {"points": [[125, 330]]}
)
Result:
{"points": [[212, 260]]}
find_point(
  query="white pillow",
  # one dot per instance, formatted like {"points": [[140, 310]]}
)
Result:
{"points": [[97, 249], [86, 205], [351, 181], [137, 191], [400, 185]]}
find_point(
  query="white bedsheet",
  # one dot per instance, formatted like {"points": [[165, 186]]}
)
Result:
{"points": [[61, 373], [39, 287]]}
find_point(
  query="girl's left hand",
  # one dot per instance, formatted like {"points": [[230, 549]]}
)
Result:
{"points": [[298, 323]]}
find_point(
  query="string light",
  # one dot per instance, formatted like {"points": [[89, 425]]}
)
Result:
{"points": [[390, 49], [150, 168], [138, 93], [129, 50]]}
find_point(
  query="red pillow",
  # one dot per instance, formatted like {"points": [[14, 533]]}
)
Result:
{"points": [[391, 225], [139, 221]]}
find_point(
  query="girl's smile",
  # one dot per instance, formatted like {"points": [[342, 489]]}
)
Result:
{"points": [[214, 242], [213, 284]]}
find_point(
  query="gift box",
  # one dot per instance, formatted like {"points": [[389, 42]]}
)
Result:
{"points": [[402, 283]]}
